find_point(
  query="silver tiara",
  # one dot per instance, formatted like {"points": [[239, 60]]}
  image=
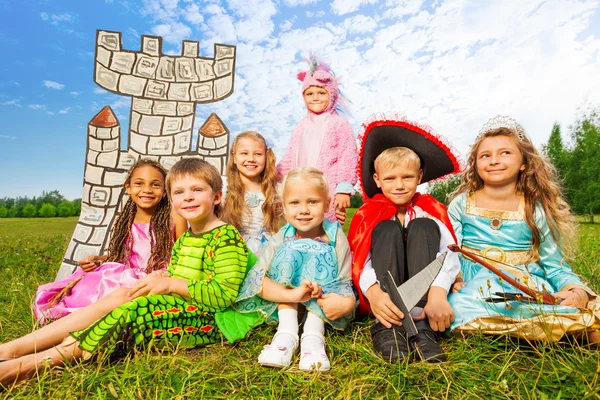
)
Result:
{"points": [[502, 121]]}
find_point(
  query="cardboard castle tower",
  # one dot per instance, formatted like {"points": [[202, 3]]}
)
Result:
{"points": [[164, 92]]}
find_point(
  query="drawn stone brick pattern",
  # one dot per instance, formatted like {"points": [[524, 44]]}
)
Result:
{"points": [[164, 91]]}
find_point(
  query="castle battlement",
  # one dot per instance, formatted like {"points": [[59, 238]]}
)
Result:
{"points": [[149, 74]]}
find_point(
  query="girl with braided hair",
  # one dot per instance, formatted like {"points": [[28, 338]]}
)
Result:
{"points": [[140, 243]]}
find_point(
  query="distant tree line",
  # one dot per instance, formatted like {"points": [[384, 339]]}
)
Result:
{"points": [[577, 163], [49, 204]]}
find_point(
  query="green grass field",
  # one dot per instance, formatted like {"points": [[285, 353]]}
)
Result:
{"points": [[478, 367]]}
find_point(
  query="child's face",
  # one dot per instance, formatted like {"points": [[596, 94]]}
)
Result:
{"points": [[194, 199], [304, 207], [146, 187], [499, 161], [398, 183], [250, 158], [316, 99]]}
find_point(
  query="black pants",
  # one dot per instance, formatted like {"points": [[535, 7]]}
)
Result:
{"points": [[404, 252]]}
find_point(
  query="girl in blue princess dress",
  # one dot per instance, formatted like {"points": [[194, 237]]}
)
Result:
{"points": [[308, 261], [510, 210]]}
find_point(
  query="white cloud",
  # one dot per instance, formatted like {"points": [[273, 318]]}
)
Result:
{"points": [[173, 32], [37, 106], [64, 110], [53, 85], [294, 3], [13, 102], [55, 19], [75, 93], [193, 15], [133, 32], [49, 113], [341, 7], [7, 137], [286, 26], [100, 91], [317, 14], [360, 24]]}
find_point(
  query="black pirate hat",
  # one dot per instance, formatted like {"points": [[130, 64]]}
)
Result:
{"points": [[383, 132]]}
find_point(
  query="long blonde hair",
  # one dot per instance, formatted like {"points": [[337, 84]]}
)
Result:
{"points": [[235, 204], [538, 183]]}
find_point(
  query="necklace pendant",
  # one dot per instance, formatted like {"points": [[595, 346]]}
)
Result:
{"points": [[252, 200], [495, 223]]}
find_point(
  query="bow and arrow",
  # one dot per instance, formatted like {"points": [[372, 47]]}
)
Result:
{"points": [[534, 295]]}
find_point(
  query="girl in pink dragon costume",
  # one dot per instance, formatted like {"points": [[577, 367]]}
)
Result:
{"points": [[324, 139]]}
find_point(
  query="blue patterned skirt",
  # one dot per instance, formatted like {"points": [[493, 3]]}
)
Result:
{"points": [[296, 260]]}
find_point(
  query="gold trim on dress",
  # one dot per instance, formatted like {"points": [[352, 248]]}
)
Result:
{"points": [[506, 261], [496, 215]]}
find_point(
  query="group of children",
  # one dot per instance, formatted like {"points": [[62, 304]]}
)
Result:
{"points": [[232, 267]]}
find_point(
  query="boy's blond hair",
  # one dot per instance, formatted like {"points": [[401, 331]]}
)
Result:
{"points": [[395, 156]]}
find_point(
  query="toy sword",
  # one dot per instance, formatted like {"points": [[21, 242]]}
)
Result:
{"points": [[407, 295]]}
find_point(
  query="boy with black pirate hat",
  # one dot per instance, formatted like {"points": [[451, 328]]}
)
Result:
{"points": [[401, 231]]}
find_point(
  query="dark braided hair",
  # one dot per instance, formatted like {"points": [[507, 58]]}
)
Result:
{"points": [[161, 239]]}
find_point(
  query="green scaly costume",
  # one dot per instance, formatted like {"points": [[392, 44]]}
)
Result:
{"points": [[214, 264]]}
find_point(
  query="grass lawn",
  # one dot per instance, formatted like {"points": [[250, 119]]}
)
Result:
{"points": [[478, 367]]}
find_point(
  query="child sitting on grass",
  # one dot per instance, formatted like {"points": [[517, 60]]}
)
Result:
{"points": [[207, 267], [400, 231], [510, 211], [307, 262]]}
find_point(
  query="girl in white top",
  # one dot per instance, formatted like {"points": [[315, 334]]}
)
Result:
{"points": [[252, 204]]}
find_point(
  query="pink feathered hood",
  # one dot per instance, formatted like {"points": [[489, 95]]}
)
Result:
{"points": [[319, 74]]}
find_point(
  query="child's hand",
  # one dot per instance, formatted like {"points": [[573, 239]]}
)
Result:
{"points": [[383, 307], [340, 215], [335, 306], [575, 297], [306, 291], [458, 285], [341, 201], [437, 310], [90, 263], [150, 285]]}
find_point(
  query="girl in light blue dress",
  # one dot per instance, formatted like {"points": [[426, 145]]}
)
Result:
{"points": [[309, 262], [252, 204], [510, 211]]}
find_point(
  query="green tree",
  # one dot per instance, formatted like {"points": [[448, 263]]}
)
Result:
{"points": [[554, 149], [3, 212], [442, 189], [13, 211], [29, 211], [47, 210], [582, 173], [65, 208], [356, 200], [76, 207]]}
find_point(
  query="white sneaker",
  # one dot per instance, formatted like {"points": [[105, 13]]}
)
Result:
{"points": [[314, 360], [277, 355]]}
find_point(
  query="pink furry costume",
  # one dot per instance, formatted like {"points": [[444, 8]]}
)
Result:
{"points": [[337, 153]]}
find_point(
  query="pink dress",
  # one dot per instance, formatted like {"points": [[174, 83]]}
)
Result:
{"points": [[95, 284]]}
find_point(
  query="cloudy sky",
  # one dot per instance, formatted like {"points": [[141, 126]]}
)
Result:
{"points": [[451, 64]]}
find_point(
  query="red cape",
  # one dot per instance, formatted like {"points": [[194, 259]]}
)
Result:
{"points": [[377, 209]]}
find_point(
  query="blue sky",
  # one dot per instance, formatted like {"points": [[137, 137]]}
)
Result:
{"points": [[452, 64]]}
